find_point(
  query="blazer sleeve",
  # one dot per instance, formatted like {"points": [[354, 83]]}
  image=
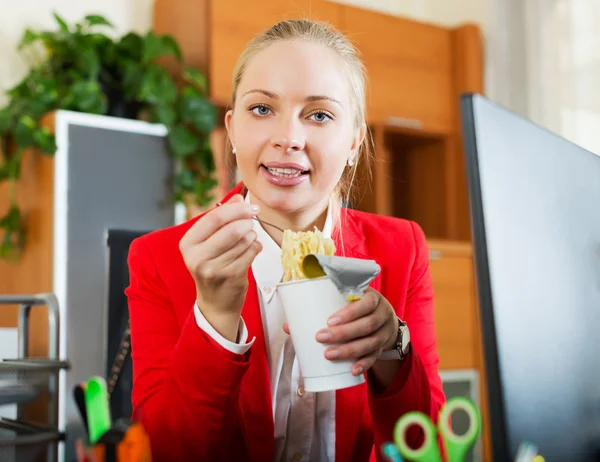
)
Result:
{"points": [[418, 386], [185, 385]]}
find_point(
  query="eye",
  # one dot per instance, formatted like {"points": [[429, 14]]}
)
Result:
{"points": [[260, 110], [320, 116]]}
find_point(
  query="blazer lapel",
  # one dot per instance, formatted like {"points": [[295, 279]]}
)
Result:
{"points": [[255, 393]]}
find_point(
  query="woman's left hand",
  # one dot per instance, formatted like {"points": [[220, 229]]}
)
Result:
{"points": [[363, 329]]}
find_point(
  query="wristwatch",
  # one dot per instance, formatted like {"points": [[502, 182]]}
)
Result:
{"points": [[402, 344]]}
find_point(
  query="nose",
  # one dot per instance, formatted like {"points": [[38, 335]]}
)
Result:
{"points": [[290, 138]]}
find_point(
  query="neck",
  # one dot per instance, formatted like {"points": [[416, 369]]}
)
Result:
{"points": [[302, 220]]}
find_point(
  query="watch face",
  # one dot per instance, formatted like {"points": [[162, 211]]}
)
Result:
{"points": [[405, 337]]}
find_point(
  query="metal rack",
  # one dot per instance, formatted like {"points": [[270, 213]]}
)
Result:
{"points": [[23, 379]]}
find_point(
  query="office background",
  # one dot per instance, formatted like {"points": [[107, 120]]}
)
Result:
{"points": [[539, 58]]}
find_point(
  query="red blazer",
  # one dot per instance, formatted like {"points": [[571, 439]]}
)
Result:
{"points": [[200, 402]]}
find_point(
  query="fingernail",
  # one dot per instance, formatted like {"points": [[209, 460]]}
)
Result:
{"points": [[359, 371], [323, 337], [255, 208], [334, 321], [333, 354]]}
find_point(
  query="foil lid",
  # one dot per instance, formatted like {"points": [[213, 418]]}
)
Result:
{"points": [[351, 276]]}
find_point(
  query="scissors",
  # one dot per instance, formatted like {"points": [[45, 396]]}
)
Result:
{"points": [[456, 446]]}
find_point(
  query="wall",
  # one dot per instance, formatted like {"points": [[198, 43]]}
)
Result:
{"points": [[444, 12], [16, 15]]}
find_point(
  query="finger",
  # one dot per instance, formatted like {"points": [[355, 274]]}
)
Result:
{"points": [[81, 452], [286, 328], [355, 310], [364, 364], [225, 239], [241, 264], [79, 449], [362, 327], [229, 256], [236, 198], [206, 226], [357, 348]]}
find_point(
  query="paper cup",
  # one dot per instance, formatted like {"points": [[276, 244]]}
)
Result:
{"points": [[307, 304]]}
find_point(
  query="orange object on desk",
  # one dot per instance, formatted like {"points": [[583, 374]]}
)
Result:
{"points": [[133, 447]]}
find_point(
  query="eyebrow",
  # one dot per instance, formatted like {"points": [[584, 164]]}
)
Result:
{"points": [[308, 98]]}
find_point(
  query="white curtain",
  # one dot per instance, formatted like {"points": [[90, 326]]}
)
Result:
{"points": [[543, 61]]}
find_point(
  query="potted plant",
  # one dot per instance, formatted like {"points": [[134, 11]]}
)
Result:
{"points": [[78, 67]]}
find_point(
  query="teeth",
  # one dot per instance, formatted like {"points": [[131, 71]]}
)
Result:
{"points": [[284, 172]]}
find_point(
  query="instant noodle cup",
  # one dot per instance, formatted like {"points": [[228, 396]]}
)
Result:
{"points": [[331, 283]]}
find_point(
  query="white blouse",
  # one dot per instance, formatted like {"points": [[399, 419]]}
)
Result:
{"points": [[304, 421]]}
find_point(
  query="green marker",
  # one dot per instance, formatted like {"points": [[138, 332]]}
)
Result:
{"points": [[98, 411]]}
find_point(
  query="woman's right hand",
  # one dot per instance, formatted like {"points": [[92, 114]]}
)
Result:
{"points": [[218, 250]]}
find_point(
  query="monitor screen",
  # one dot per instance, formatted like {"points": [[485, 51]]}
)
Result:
{"points": [[535, 206]]}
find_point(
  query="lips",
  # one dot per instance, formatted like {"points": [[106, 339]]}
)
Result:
{"points": [[286, 174]]}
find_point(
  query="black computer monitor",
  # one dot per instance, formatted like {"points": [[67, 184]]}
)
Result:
{"points": [[535, 207]]}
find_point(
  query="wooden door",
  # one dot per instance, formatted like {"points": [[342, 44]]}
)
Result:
{"points": [[235, 22]]}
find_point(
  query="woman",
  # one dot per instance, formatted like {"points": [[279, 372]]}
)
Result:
{"points": [[215, 377]]}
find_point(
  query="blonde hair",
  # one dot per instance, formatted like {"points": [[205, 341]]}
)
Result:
{"points": [[323, 34]]}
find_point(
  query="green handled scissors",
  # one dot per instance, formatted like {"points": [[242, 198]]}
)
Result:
{"points": [[456, 446]]}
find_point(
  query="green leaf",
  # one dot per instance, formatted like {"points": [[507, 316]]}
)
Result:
{"points": [[21, 90], [182, 142], [13, 241], [4, 171], [6, 120], [206, 158], [185, 181], [131, 45], [24, 132], [203, 190], [12, 220], [164, 114], [197, 110], [61, 22], [88, 62], [28, 38], [170, 44], [157, 87], [133, 77], [11, 168], [156, 46], [86, 96], [45, 140], [97, 20], [196, 78]]}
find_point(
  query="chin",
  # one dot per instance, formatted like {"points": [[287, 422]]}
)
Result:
{"points": [[283, 202], [283, 199]]}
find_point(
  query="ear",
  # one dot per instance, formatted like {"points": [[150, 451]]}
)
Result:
{"points": [[229, 126], [357, 141]]}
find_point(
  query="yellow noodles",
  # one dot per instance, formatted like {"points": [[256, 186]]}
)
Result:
{"points": [[295, 246]]}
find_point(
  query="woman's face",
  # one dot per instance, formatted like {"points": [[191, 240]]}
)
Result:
{"points": [[293, 125]]}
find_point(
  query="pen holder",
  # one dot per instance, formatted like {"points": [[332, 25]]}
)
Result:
{"points": [[125, 441]]}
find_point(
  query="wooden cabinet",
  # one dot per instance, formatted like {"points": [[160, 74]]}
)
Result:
{"points": [[457, 318], [451, 265], [235, 22], [409, 67], [414, 70]]}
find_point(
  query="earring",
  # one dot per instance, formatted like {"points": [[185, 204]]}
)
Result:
{"points": [[234, 151], [350, 161]]}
